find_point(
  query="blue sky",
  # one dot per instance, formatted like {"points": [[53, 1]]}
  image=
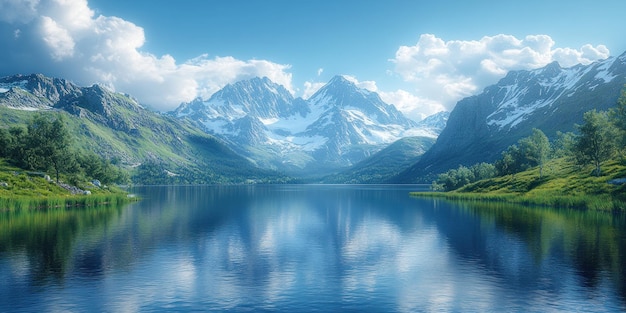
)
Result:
{"points": [[422, 56]]}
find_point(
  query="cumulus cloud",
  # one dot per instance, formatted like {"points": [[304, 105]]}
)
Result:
{"points": [[414, 107], [311, 88], [367, 84], [18, 11], [57, 38], [409, 104], [443, 72], [65, 38]]}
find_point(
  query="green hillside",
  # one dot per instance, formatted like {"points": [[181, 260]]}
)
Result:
{"points": [[385, 164], [20, 189], [563, 184], [153, 148]]}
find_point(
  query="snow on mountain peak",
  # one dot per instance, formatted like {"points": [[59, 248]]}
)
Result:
{"points": [[6, 86], [521, 93], [337, 119]]}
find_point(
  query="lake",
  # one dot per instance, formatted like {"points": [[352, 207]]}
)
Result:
{"points": [[310, 248]]}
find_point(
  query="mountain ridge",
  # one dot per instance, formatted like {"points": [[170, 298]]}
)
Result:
{"points": [[115, 126], [551, 99], [338, 126]]}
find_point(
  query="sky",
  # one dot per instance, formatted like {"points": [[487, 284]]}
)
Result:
{"points": [[421, 56]]}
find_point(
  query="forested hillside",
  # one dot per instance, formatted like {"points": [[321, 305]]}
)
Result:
{"points": [[583, 168]]}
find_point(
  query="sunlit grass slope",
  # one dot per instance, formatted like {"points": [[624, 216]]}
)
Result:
{"points": [[21, 189], [563, 184]]}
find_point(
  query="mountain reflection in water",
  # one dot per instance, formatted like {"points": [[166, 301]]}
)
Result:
{"points": [[310, 248]]}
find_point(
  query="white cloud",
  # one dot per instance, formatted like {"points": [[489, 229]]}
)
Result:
{"points": [[57, 38], [213, 74], [411, 105], [311, 88], [86, 48], [445, 71], [367, 84], [66, 38], [18, 11]]}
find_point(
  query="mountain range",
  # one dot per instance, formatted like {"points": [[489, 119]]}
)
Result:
{"points": [[338, 126], [551, 99], [157, 148], [255, 131]]}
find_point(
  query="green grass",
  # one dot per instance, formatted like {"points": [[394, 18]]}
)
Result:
{"points": [[564, 185], [42, 203], [22, 190]]}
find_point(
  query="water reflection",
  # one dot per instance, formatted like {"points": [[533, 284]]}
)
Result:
{"points": [[42, 241], [311, 248], [590, 246]]}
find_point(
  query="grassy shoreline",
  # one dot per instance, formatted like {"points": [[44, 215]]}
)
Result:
{"points": [[583, 202], [564, 185], [19, 203], [24, 190]]}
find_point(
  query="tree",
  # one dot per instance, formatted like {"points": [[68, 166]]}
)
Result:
{"points": [[530, 151], [96, 167], [461, 176], [596, 142], [510, 162], [536, 149], [618, 117], [48, 145], [563, 145], [483, 171], [619, 112], [17, 146], [455, 178], [5, 142]]}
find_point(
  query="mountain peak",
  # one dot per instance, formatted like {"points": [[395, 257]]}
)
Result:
{"points": [[342, 87], [258, 96], [338, 126], [552, 99], [258, 84], [340, 79], [552, 69]]}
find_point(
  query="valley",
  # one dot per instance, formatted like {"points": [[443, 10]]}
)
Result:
{"points": [[255, 131]]}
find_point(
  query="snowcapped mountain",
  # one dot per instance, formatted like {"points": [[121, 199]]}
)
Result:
{"points": [[258, 97], [546, 89], [156, 149], [551, 98], [38, 92], [339, 125], [435, 123]]}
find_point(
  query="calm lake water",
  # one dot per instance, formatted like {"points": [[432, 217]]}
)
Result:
{"points": [[310, 248]]}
